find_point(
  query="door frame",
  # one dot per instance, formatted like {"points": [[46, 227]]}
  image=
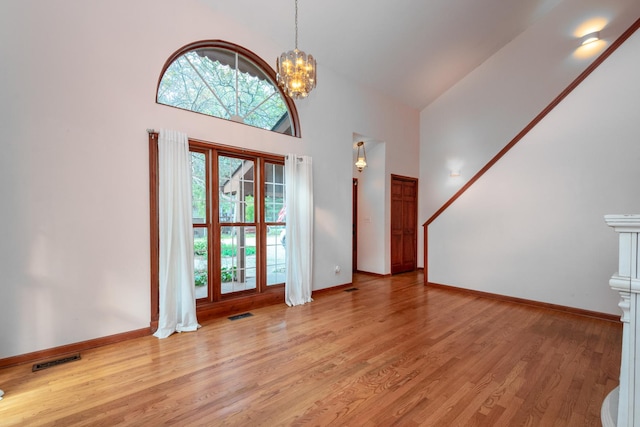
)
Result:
{"points": [[354, 231]]}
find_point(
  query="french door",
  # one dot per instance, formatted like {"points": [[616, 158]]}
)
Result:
{"points": [[238, 218], [238, 223]]}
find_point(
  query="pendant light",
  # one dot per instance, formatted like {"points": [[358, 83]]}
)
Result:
{"points": [[296, 70], [361, 163]]}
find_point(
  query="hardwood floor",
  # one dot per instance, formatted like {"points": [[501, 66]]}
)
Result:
{"points": [[393, 352]]}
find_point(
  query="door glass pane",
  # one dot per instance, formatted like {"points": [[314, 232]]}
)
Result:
{"points": [[237, 259], [276, 253], [274, 192], [275, 213], [198, 188], [201, 261], [236, 191]]}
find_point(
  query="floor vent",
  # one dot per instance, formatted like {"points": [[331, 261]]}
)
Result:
{"points": [[351, 289], [240, 316], [50, 363]]}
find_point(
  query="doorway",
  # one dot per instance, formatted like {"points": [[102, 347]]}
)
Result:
{"points": [[404, 215], [354, 221]]}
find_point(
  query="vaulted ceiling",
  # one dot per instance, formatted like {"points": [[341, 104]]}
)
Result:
{"points": [[412, 50]]}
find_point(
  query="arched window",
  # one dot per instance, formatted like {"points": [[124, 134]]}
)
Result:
{"points": [[225, 80]]}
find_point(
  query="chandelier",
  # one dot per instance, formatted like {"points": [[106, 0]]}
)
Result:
{"points": [[296, 70]]}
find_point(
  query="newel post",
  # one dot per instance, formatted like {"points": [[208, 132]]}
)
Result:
{"points": [[627, 282]]}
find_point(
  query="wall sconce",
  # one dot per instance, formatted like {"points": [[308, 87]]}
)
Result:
{"points": [[590, 38], [454, 173], [361, 163]]}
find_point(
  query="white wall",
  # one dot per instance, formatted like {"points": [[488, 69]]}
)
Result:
{"points": [[474, 120], [373, 228], [77, 94], [532, 227], [332, 115]]}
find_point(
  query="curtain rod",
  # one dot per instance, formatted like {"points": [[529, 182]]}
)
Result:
{"points": [[153, 132], [298, 158]]}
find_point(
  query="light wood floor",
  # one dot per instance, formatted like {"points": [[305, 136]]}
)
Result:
{"points": [[393, 352]]}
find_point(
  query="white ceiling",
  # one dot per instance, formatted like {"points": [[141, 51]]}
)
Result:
{"points": [[413, 50]]}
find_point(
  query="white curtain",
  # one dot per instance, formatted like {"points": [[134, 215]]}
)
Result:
{"points": [[177, 287], [299, 202]]}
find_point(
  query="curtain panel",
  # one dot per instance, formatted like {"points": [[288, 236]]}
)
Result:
{"points": [[299, 202], [177, 303]]}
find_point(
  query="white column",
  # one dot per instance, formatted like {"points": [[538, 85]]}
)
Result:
{"points": [[627, 282]]}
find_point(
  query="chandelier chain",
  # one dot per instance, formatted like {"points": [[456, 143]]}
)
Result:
{"points": [[296, 25]]}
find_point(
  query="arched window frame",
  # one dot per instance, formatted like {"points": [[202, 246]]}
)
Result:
{"points": [[251, 56]]}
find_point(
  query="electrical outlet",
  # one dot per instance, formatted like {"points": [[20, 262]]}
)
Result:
{"points": [[337, 270]]}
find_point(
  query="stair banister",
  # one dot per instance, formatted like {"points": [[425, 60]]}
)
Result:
{"points": [[626, 281]]}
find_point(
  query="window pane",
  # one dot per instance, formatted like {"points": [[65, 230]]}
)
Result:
{"points": [[224, 83], [237, 259], [275, 211], [274, 193], [201, 261], [198, 188], [220, 80], [236, 192], [182, 87], [276, 254]]}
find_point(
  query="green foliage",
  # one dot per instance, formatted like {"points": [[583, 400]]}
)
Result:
{"points": [[198, 186], [249, 210], [259, 103], [228, 274], [228, 250], [201, 277], [200, 246]]}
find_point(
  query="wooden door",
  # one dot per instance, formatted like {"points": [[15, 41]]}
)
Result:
{"points": [[404, 215]]}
